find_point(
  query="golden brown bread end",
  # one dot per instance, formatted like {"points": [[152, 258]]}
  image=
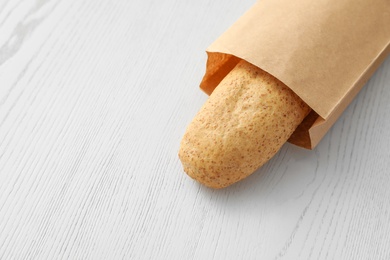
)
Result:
{"points": [[244, 122]]}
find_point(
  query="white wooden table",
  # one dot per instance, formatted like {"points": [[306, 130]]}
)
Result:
{"points": [[95, 96]]}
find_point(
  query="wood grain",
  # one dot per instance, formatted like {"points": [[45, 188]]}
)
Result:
{"points": [[94, 99]]}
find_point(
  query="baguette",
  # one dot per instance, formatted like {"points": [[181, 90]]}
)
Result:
{"points": [[244, 122]]}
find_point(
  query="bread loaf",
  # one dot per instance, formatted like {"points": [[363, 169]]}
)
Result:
{"points": [[244, 122]]}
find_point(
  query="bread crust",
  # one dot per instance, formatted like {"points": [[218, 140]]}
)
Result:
{"points": [[244, 122]]}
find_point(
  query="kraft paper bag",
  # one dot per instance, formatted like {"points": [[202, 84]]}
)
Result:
{"points": [[324, 50]]}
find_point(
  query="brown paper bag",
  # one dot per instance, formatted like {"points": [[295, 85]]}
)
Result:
{"points": [[324, 50]]}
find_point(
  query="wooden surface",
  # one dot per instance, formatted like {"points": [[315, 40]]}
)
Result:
{"points": [[94, 98]]}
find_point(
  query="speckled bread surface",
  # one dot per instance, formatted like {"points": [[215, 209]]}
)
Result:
{"points": [[244, 122]]}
